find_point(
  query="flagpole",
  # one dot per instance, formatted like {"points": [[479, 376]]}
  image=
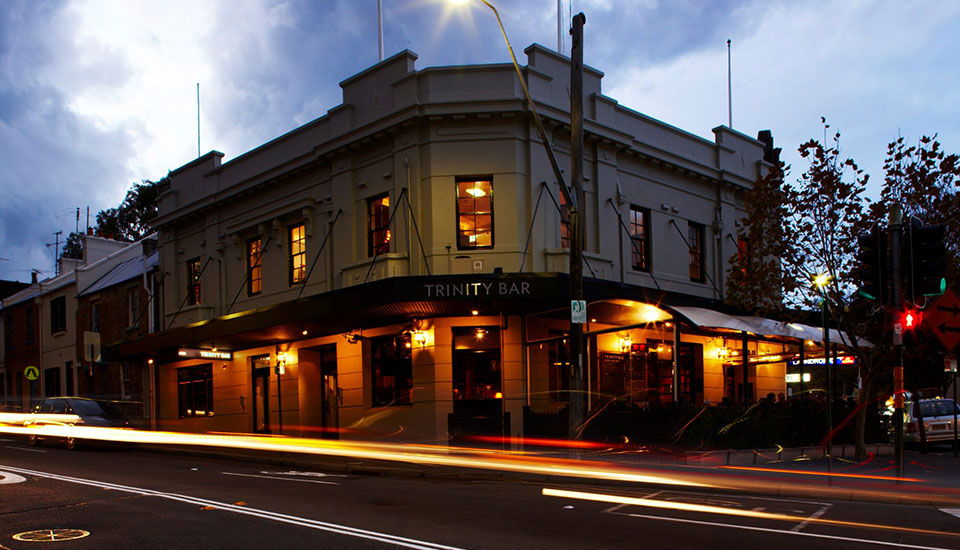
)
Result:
{"points": [[729, 89], [380, 26]]}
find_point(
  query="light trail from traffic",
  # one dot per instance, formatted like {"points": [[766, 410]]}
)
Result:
{"points": [[594, 468]]}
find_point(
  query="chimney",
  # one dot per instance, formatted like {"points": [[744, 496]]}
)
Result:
{"points": [[33, 277]]}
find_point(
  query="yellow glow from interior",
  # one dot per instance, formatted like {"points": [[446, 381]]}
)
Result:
{"points": [[476, 192]]}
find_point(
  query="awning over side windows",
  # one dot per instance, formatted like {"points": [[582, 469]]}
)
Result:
{"points": [[760, 326]]}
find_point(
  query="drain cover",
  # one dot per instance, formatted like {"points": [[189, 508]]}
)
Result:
{"points": [[51, 535]]}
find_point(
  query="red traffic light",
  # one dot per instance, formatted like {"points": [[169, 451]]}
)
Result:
{"points": [[911, 319]]}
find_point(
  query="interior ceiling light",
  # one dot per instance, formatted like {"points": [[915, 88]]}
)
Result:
{"points": [[474, 312], [476, 191]]}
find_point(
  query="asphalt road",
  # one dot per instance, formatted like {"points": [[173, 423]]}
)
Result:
{"points": [[135, 499]]}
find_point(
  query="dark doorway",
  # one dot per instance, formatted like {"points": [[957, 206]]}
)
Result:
{"points": [[261, 394], [51, 382], [330, 396], [690, 369]]}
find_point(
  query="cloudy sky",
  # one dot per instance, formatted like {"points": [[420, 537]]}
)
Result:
{"points": [[98, 94]]}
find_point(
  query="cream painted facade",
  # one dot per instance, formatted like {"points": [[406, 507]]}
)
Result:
{"points": [[409, 138]]}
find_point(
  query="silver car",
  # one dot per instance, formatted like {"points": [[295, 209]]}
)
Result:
{"points": [[937, 419]]}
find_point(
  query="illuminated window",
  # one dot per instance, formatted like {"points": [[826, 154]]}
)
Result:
{"points": [[195, 390], [193, 282], [298, 254], [639, 238], [474, 213], [378, 227], [564, 223], [695, 233], [58, 314], [743, 254], [254, 271], [392, 368]]}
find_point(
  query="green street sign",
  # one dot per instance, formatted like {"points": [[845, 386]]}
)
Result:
{"points": [[31, 372]]}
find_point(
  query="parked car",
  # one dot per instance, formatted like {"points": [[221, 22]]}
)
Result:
{"points": [[71, 411], [937, 419]]}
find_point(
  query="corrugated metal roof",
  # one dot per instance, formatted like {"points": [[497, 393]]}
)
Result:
{"points": [[122, 272]]}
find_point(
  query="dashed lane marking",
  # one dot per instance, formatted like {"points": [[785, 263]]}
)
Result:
{"points": [[282, 478], [25, 449]]}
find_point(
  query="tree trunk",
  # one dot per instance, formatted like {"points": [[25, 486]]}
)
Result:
{"points": [[860, 432]]}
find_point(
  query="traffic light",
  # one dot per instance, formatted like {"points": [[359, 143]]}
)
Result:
{"points": [[872, 260], [911, 319], [924, 261]]}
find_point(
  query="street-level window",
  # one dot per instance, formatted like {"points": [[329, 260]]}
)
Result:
{"points": [[298, 254], [695, 232], [639, 238], [193, 282], [195, 390], [133, 311], [392, 368], [254, 267], [378, 225], [474, 213], [58, 314]]}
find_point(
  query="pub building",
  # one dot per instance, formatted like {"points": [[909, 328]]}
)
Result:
{"points": [[397, 268]]}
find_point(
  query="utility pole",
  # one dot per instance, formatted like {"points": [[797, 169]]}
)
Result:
{"points": [[577, 232], [896, 233]]}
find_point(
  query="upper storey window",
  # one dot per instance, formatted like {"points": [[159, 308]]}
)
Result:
{"points": [[193, 282], [378, 226], [695, 233], [639, 238], [254, 267], [474, 213], [298, 254]]}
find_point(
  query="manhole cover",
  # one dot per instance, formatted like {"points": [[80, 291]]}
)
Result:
{"points": [[51, 535]]}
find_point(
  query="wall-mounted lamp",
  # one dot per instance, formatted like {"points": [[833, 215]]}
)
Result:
{"points": [[419, 337], [625, 343], [281, 362], [474, 313], [723, 353], [150, 361]]}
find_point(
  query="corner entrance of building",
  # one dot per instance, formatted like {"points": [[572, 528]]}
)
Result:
{"points": [[319, 392], [477, 384]]}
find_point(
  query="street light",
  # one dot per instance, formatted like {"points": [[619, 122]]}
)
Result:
{"points": [[573, 202]]}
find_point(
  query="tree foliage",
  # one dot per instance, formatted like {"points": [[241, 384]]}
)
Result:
{"points": [[130, 221], [810, 227]]}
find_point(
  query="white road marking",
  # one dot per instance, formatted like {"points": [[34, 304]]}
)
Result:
{"points": [[815, 515], [26, 449], [5, 440], [264, 514], [6, 478], [801, 534], [951, 511], [282, 478], [305, 474]]}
